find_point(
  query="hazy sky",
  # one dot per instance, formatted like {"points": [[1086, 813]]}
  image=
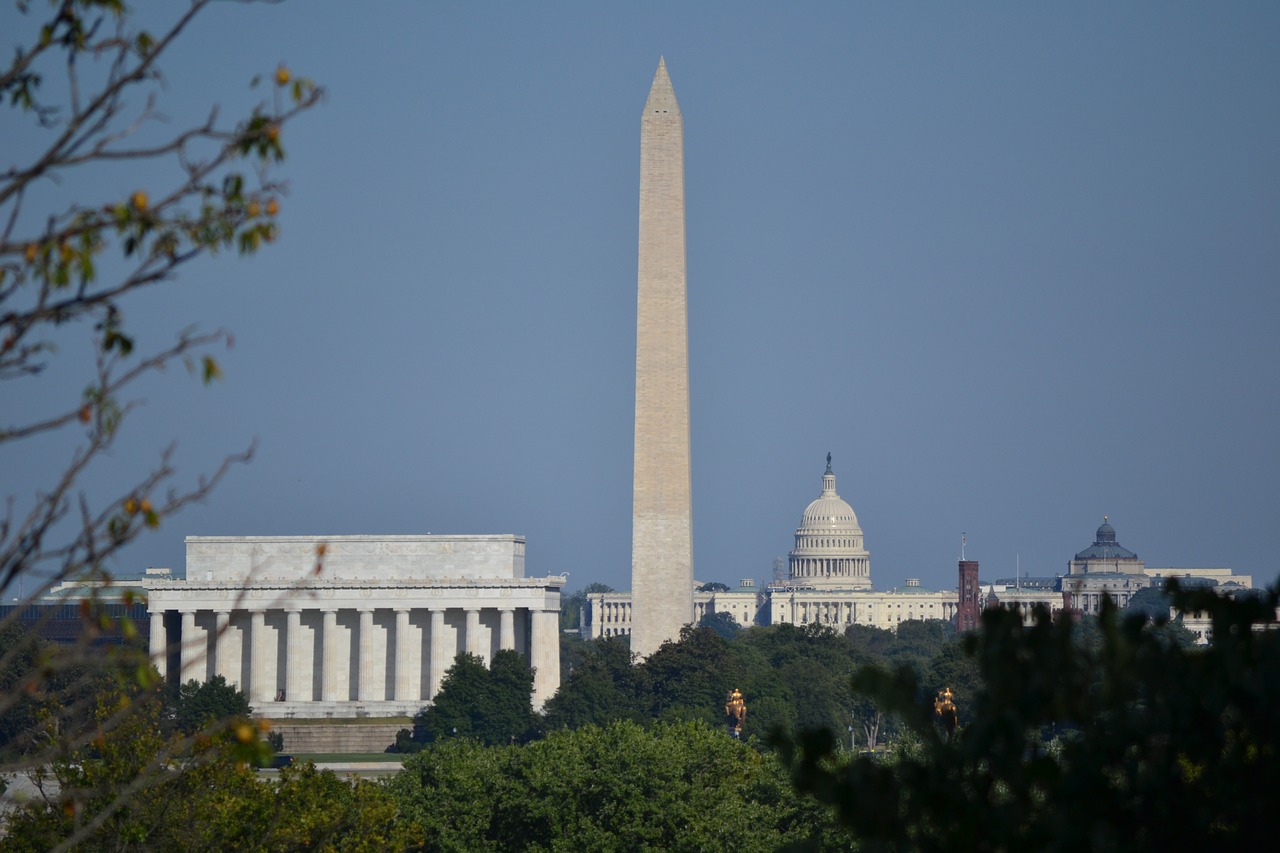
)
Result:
{"points": [[1014, 265]]}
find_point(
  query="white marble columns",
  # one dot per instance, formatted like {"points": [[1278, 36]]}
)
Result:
{"points": [[506, 629], [441, 656], [368, 675], [259, 691], [473, 644], [329, 655], [329, 658], [220, 643], [159, 644], [405, 685], [296, 654], [191, 654]]}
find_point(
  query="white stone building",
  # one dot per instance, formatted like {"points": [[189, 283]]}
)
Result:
{"points": [[830, 575], [346, 626], [842, 608], [829, 552], [1105, 568], [829, 584], [608, 614]]}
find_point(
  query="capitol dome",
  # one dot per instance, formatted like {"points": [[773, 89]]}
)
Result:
{"points": [[829, 549]]}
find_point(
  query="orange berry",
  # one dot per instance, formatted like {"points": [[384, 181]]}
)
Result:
{"points": [[32, 253], [282, 75], [254, 209], [273, 207], [139, 200], [131, 506], [145, 505], [85, 414], [273, 132]]}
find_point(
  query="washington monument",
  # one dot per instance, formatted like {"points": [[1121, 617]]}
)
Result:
{"points": [[662, 525]]}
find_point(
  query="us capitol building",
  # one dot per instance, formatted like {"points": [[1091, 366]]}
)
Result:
{"points": [[828, 583]]}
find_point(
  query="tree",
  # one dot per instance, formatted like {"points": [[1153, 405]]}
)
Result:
{"points": [[603, 687], [807, 667], [201, 705], [69, 272], [868, 641], [676, 786], [571, 605], [721, 622], [713, 586], [688, 680], [492, 705], [1136, 744], [1153, 601], [135, 788]]}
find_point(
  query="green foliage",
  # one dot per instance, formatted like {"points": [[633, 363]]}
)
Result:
{"points": [[721, 622], [604, 687], [1133, 743], [571, 605], [201, 705], [1153, 601], [134, 786], [680, 786], [869, 642], [69, 271], [20, 711], [688, 680], [713, 586], [793, 677], [492, 705]]}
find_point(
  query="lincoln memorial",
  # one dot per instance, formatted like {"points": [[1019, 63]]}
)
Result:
{"points": [[347, 626]]}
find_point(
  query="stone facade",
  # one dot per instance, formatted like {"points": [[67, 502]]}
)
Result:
{"points": [[347, 626], [336, 737], [609, 614], [842, 608], [662, 520], [1105, 568]]}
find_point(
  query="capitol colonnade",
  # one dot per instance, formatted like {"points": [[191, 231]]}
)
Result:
{"points": [[372, 633]]}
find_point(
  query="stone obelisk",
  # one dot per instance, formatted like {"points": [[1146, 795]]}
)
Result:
{"points": [[662, 526]]}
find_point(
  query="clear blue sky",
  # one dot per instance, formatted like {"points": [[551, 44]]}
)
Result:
{"points": [[1014, 265]]}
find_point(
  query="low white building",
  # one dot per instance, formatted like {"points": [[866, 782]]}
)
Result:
{"points": [[840, 609], [608, 614], [346, 626]]}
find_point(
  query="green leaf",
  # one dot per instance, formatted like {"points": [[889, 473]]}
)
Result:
{"points": [[211, 369]]}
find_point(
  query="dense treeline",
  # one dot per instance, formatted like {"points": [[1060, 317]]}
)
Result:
{"points": [[794, 677], [1106, 734], [1119, 736], [672, 786], [132, 775]]}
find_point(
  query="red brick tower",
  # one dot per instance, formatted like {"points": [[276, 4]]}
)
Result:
{"points": [[968, 611]]}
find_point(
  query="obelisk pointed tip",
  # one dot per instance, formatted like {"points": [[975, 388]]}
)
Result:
{"points": [[662, 97]]}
